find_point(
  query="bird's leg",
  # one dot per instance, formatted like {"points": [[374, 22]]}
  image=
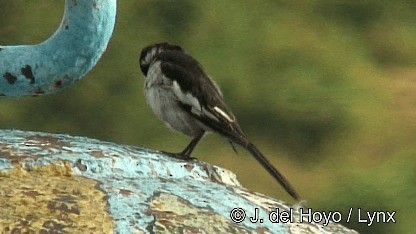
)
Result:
{"points": [[188, 150], [186, 153]]}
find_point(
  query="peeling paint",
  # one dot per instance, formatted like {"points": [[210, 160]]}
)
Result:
{"points": [[11, 79], [176, 215], [50, 181], [125, 192], [80, 166], [43, 201], [27, 72], [57, 84]]}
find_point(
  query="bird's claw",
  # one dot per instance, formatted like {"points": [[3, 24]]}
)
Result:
{"points": [[179, 156]]}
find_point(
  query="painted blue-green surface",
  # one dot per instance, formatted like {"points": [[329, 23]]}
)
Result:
{"points": [[140, 171], [132, 178], [65, 57]]}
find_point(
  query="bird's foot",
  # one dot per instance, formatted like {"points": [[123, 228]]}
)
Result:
{"points": [[180, 155]]}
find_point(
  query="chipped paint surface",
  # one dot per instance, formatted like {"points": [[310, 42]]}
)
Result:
{"points": [[47, 199], [176, 215], [142, 191], [65, 57]]}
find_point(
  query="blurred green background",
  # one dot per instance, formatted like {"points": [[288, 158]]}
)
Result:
{"points": [[327, 90]]}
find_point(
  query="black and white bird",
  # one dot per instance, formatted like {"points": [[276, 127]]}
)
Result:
{"points": [[180, 93]]}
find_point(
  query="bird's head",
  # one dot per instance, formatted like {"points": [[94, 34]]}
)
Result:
{"points": [[149, 54]]}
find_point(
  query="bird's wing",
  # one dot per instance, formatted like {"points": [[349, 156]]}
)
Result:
{"points": [[198, 94]]}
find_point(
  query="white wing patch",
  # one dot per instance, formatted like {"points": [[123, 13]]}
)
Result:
{"points": [[208, 114], [221, 112], [197, 108], [186, 98]]}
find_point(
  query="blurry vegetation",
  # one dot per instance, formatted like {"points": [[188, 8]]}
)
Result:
{"points": [[327, 89]]}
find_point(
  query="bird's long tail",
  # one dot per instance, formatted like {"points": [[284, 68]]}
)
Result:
{"points": [[271, 169], [236, 135], [250, 147]]}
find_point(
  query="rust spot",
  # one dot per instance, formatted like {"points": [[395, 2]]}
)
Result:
{"points": [[23, 223], [67, 199], [189, 166], [125, 192], [262, 230], [77, 192], [55, 205], [46, 142], [39, 91], [27, 72], [29, 217], [57, 84], [52, 227], [96, 153], [14, 155], [14, 161], [80, 166], [11, 79], [31, 193]]}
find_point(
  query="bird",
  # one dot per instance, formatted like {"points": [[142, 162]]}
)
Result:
{"points": [[186, 99]]}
